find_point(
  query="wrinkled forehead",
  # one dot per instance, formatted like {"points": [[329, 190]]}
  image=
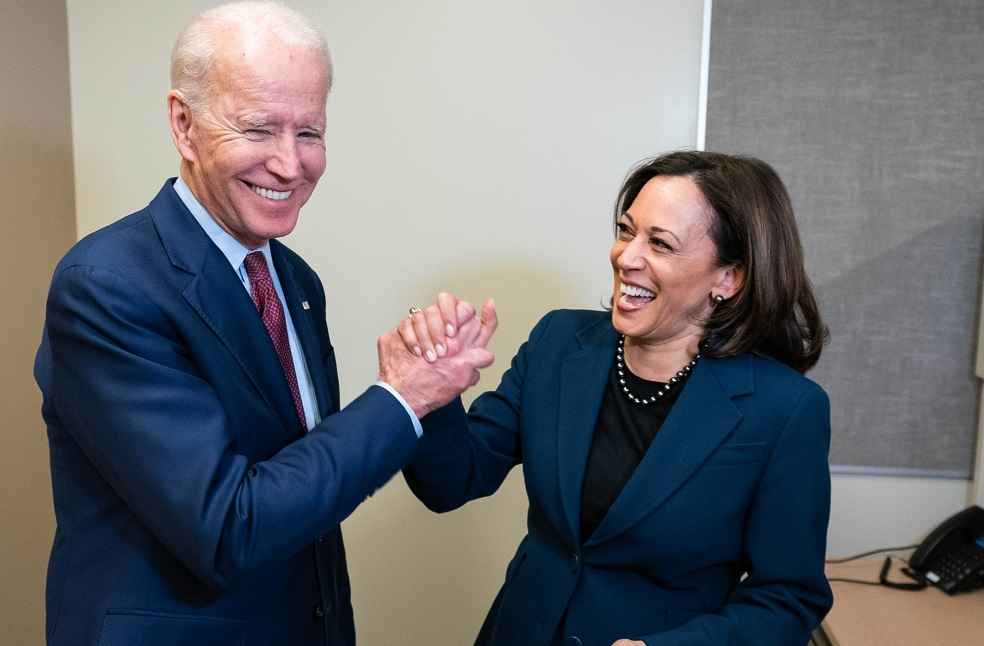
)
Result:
{"points": [[264, 61]]}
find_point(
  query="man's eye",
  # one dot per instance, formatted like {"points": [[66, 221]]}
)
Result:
{"points": [[257, 131], [309, 134]]}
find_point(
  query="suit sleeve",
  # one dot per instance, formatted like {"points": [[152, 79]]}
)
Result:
{"points": [[785, 595], [466, 456], [127, 391]]}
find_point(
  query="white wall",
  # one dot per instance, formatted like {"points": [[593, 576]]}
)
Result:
{"points": [[870, 512], [472, 146]]}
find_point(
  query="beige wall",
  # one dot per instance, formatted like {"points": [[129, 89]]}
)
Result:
{"points": [[36, 184]]}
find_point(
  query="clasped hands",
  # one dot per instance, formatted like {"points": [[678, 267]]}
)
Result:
{"points": [[435, 354]]}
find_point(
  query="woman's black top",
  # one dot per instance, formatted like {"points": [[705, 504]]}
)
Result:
{"points": [[622, 435]]}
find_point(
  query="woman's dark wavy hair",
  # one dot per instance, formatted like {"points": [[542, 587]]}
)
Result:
{"points": [[774, 311]]}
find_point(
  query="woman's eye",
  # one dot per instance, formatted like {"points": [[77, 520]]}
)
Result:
{"points": [[623, 231], [659, 242]]}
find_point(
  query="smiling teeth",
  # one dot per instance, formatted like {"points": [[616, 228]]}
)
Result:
{"points": [[271, 195], [632, 290]]}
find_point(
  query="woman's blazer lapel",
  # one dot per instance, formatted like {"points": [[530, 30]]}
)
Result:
{"points": [[583, 375], [701, 420]]}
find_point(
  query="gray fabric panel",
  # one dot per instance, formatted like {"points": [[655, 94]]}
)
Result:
{"points": [[873, 114]]}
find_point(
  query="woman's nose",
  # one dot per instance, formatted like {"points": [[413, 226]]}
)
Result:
{"points": [[631, 255]]}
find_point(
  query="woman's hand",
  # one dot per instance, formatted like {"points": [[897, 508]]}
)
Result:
{"points": [[428, 333], [629, 642]]}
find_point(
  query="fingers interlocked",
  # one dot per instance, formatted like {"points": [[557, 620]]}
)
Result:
{"points": [[425, 332]]}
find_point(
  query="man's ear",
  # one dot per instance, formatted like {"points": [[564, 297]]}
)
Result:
{"points": [[730, 280], [180, 117]]}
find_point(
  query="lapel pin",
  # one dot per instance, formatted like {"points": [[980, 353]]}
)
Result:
{"points": [[305, 305]]}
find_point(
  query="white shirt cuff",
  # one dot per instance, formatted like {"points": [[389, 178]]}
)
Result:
{"points": [[417, 428]]}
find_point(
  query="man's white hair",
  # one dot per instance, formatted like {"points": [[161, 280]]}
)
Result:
{"points": [[194, 52]]}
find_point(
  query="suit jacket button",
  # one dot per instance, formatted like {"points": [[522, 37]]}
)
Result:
{"points": [[323, 539], [575, 561], [318, 611], [574, 640]]}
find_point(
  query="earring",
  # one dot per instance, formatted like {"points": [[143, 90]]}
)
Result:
{"points": [[718, 299]]}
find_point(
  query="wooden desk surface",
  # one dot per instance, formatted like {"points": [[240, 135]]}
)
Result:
{"points": [[865, 615]]}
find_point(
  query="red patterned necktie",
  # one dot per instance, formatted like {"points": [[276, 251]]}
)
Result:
{"points": [[268, 304]]}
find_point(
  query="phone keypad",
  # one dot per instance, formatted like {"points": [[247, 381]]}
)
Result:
{"points": [[953, 568]]}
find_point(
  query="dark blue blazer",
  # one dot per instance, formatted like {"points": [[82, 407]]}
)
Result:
{"points": [[735, 483], [191, 509]]}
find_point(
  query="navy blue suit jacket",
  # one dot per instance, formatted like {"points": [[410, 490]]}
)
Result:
{"points": [[735, 483], [191, 509]]}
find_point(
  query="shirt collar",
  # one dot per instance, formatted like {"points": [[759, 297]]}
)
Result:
{"points": [[234, 251]]}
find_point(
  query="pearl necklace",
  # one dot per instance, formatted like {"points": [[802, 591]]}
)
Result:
{"points": [[681, 374]]}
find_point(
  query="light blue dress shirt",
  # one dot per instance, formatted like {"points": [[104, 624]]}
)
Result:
{"points": [[235, 252]]}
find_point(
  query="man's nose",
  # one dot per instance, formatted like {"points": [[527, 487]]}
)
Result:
{"points": [[285, 163]]}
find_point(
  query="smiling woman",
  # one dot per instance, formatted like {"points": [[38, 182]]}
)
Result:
{"points": [[674, 455], [667, 275], [737, 226]]}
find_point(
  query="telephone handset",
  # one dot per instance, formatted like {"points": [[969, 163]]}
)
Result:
{"points": [[952, 556]]}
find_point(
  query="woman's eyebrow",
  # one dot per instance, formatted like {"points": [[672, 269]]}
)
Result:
{"points": [[653, 229]]}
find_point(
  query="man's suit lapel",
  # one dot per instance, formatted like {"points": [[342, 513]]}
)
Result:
{"points": [[303, 325], [582, 386], [700, 420], [216, 293]]}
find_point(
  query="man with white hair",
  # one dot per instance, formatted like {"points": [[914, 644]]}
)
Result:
{"points": [[200, 463]]}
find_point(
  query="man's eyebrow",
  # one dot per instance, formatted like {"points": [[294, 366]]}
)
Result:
{"points": [[254, 120], [653, 229]]}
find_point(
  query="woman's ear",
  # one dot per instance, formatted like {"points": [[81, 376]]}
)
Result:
{"points": [[180, 118], [730, 281]]}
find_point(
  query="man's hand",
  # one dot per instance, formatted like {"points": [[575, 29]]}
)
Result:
{"points": [[426, 386]]}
